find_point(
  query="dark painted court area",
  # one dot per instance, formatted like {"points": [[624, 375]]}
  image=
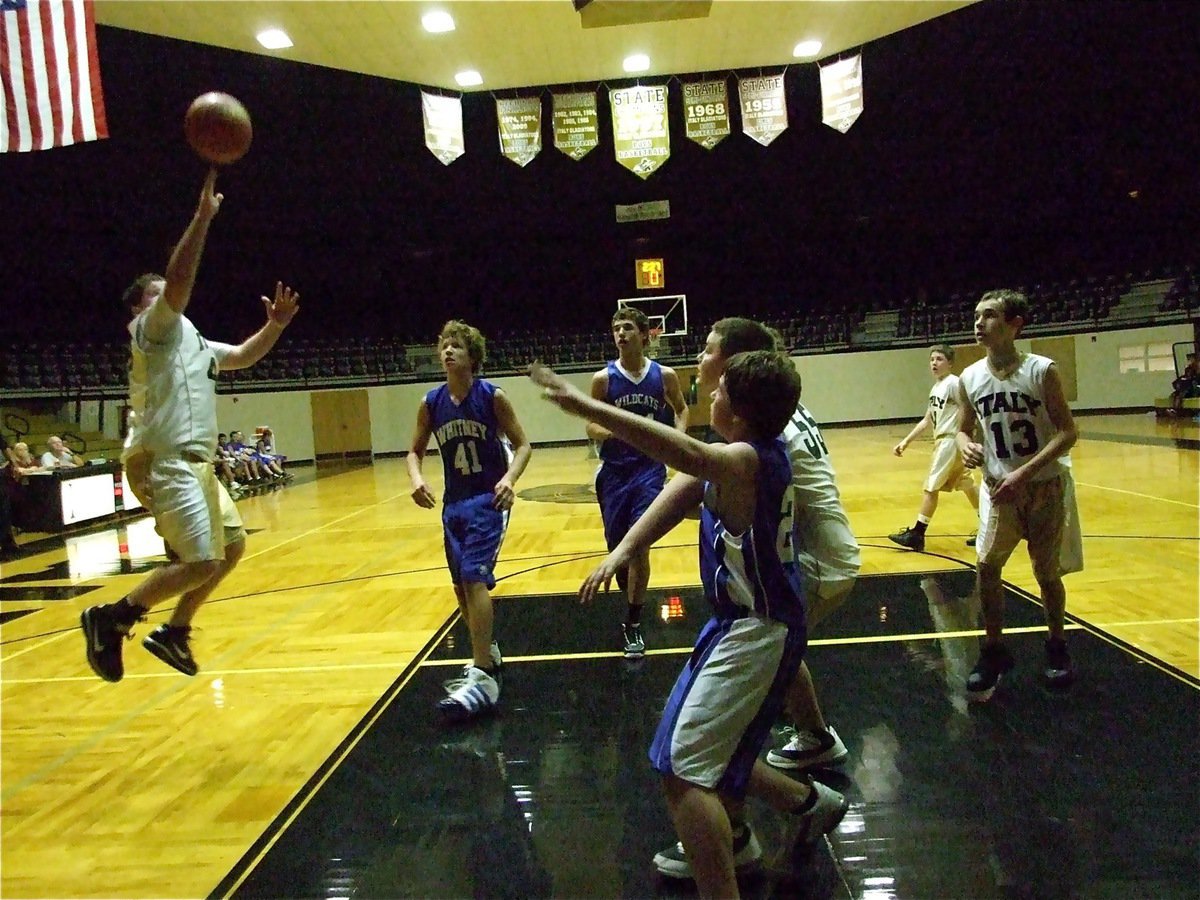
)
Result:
{"points": [[1088, 793]]}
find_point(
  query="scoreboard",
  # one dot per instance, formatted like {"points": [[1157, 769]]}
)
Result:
{"points": [[649, 274]]}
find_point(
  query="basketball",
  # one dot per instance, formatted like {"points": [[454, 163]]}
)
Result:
{"points": [[218, 128]]}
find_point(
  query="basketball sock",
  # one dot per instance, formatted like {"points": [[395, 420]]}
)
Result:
{"points": [[633, 614], [920, 527], [127, 613]]}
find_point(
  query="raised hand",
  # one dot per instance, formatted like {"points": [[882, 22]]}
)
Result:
{"points": [[284, 307], [210, 200]]}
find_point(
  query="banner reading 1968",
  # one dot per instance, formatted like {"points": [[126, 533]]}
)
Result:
{"points": [[706, 112], [764, 107], [641, 139], [520, 124]]}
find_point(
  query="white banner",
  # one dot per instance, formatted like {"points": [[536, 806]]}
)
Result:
{"points": [[764, 107], [706, 112], [443, 127], [576, 124], [842, 93], [641, 212]]}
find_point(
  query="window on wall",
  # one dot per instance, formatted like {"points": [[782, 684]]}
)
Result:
{"points": [[1147, 358]]}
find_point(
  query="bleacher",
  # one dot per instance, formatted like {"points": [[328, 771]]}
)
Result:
{"points": [[78, 372]]}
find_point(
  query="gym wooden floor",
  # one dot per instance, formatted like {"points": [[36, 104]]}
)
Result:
{"points": [[160, 785]]}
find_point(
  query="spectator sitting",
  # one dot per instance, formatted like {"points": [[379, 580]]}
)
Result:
{"points": [[1186, 385], [224, 465], [59, 456], [264, 449], [24, 462], [241, 452]]}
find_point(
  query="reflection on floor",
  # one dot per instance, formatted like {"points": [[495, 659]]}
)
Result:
{"points": [[1032, 795]]}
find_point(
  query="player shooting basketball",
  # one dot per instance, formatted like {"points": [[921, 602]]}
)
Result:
{"points": [[169, 450]]}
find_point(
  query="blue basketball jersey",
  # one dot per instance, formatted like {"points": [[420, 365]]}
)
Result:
{"points": [[642, 398], [755, 570], [473, 455]]}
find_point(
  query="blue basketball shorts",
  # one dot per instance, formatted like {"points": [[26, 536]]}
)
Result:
{"points": [[625, 493], [726, 699], [474, 531]]}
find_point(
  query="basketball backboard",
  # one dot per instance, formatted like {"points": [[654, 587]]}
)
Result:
{"points": [[668, 312]]}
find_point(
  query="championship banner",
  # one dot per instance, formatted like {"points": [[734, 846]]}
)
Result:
{"points": [[706, 112], [576, 124], [443, 127], [841, 93], [641, 138], [520, 124], [764, 108]]}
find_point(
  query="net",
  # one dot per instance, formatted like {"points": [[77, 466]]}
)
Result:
{"points": [[652, 345]]}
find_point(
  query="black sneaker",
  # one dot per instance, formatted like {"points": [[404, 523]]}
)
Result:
{"points": [[104, 636], [170, 644], [1058, 672], [747, 856], [994, 661], [635, 644], [910, 538]]}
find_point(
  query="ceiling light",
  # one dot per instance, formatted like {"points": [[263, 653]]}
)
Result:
{"points": [[806, 49], [639, 62], [469, 78], [274, 39], [438, 21]]}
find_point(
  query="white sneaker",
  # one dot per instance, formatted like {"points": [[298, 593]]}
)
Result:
{"points": [[747, 854], [478, 694], [809, 750], [453, 684], [824, 816]]}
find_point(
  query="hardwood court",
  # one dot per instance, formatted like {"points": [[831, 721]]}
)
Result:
{"points": [[164, 786]]}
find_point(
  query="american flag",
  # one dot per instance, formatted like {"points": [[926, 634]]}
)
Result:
{"points": [[49, 75]]}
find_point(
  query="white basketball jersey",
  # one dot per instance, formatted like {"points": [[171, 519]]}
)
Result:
{"points": [[1012, 415], [173, 390], [943, 403], [822, 552]]}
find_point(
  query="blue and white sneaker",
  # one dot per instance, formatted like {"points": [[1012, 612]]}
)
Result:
{"points": [[476, 695]]}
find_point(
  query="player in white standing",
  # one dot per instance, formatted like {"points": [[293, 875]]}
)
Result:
{"points": [[946, 469], [1018, 402], [825, 548], [169, 449]]}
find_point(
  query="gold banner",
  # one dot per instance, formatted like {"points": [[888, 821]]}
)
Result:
{"points": [[641, 138], [841, 93], [764, 107], [706, 112], [519, 121], [576, 124], [443, 127]]}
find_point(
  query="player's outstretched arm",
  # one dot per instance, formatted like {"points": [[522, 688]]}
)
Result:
{"points": [[280, 312], [421, 494], [658, 441], [506, 416]]}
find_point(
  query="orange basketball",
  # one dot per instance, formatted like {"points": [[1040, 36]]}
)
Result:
{"points": [[218, 128]]}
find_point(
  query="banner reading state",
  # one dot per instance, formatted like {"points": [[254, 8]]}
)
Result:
{"points": [[520, 124], [641, 139], [443, 127], [764, 107], [576, 124], [842, 93], [706, 112]]}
